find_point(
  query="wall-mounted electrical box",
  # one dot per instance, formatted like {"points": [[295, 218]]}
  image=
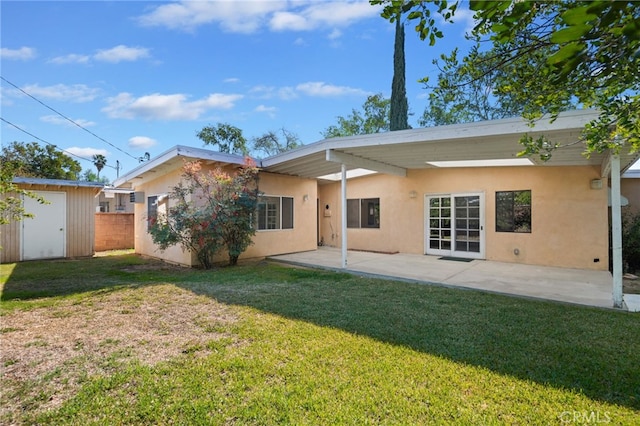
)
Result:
{"points": [[136, 197], [327, 211]]}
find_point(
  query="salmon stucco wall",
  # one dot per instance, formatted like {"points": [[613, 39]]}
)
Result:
{"points": [[569, 219], [301, 238], [303, 235], [143, 242]]}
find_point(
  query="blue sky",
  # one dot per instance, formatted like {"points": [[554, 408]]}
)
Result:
{"points": [[145, 76]]}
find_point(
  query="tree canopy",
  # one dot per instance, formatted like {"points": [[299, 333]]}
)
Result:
{"points": [[276, 142], [89, 175], [34, 160], [478, 88], [11, 205], [374, 118], [226, 137], [591, 58]]}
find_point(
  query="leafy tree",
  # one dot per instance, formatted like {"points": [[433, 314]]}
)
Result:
{"points": [[99, 161], [212, 211], [478, 89], [271, 144], [452, 101], [374, 118], [89, 176], [33, 160], [422, 11], [592, 57], [228, 138], [399, 114], [11, 206]]}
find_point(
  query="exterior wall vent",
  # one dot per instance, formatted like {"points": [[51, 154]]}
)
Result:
{"points": [[136, 197]]}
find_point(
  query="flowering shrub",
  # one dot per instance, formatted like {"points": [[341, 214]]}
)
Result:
{"points": [[210, 211]]}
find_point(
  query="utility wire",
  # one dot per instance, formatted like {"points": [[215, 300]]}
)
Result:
{"points": [[53, 145], [67, 118]]}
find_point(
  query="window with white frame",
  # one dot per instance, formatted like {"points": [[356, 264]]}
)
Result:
{"points": [[275, 212], [156, 205], [363, 213]]}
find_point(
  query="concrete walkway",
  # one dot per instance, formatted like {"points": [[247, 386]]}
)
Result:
{"points": [[583, 287]]}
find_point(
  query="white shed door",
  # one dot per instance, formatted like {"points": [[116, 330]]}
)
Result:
{"points": [[44, 236]]}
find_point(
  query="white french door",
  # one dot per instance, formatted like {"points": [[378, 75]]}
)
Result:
{"points": [[455, 225]]}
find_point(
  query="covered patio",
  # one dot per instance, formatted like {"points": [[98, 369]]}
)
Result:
{"points": [[471, 145], [576, 286]]}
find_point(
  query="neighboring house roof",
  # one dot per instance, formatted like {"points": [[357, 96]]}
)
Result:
{"points": [[111, 190], [57, 182], [484, 143]]}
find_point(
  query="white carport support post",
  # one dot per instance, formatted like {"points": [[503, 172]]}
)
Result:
{"points": [[343, 205], [616, 231]]}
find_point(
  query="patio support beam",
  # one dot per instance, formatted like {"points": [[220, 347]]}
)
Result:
{"points": [[363, 163], [343, 205], [605, 167], [616, 230]]}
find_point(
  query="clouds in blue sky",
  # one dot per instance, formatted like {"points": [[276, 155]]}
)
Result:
{"points": [[147, 75]]}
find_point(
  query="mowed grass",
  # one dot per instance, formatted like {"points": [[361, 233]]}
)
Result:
{"points": [[300, 346]]}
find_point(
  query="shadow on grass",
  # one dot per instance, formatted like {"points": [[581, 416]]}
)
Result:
{"points": [[588, 350], [26, 281]]}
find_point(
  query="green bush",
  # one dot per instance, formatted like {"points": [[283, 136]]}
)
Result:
{"points": [[631, 241]]}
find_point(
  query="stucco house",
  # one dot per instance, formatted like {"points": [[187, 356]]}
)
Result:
{"points": [[458, 190], [62, 228]]}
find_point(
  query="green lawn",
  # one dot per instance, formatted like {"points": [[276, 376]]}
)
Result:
{"points": [[123, 340]]}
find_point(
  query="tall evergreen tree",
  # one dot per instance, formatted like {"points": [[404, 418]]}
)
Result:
{"points": [[399, 119]]}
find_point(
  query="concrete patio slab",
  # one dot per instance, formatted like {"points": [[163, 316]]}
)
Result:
{"points": [[582, 287]]}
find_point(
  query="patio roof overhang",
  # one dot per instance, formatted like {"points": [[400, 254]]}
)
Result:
{"points": [[399, 151]]}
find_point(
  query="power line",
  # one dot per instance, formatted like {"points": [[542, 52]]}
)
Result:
{"points": [[67, 118], [49, 143]]}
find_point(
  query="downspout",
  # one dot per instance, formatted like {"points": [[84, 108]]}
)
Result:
{"points": [[343, 204], [616, 231]]}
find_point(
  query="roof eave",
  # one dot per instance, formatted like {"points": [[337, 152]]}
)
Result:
{"points": [[174, 152]]}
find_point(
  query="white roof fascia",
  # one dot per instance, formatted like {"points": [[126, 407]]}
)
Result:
{"points": [[508, 126]]}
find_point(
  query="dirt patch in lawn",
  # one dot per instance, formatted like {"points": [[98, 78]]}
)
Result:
{"points": [[48, 352]]}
